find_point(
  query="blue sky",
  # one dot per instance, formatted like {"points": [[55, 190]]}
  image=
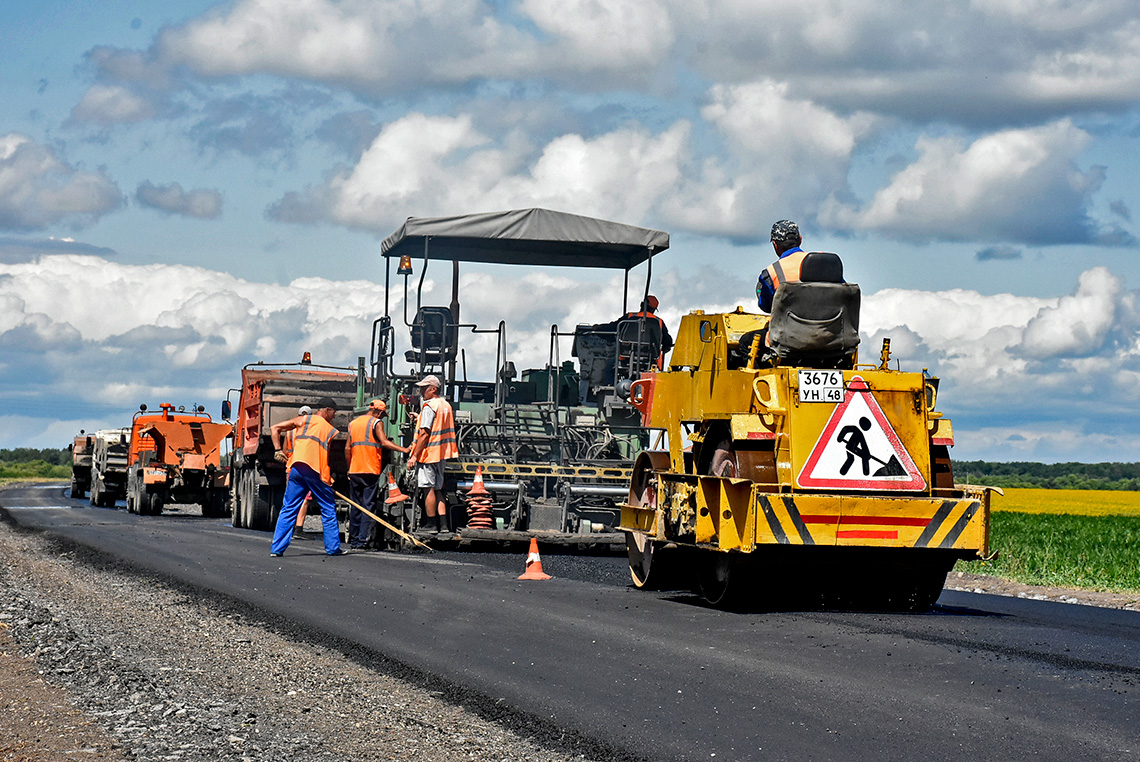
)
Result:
{"points": [[186, 187]]}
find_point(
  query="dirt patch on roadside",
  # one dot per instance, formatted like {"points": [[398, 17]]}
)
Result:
{"points": [[38, 722]]}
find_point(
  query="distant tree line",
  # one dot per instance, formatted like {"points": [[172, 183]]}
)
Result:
{"points": [[28, 462], [51, 456], [1110, 476]]}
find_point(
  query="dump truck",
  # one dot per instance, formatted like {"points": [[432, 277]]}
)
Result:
{"points": [[174, 456], [109, 467], [271, 393], [555, 442], [793, 472], [81, 448]]}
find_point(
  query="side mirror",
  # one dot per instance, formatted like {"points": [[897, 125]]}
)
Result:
{"points": [[707, 331], [226, 410]]}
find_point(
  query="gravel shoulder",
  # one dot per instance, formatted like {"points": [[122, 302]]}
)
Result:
{"points": [[96, 663]]}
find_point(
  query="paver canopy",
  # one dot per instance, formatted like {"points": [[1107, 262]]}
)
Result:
{"points": [[526, 237]]}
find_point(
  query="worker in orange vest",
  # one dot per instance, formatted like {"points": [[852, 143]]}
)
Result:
{"points": [[366, 457], [287, 448], [435, 443], [786, 241], [309, 472]]}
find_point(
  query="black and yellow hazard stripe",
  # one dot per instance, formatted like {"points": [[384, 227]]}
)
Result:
{"points": [[783, 509], [956, 513]]}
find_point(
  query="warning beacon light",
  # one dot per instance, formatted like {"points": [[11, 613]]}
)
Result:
{"points": [[405, 267], [307, 359]]}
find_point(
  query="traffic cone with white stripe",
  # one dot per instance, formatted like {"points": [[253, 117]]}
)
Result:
{"points": [[394, 493], [534, 563]]}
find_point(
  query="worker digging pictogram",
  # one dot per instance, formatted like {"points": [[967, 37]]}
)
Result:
{"points": [[859, 449]]}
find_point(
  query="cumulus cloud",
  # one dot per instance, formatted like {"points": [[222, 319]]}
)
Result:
{"points": [[964, 61], [203, 203], [1077, 325], [112, 104], [1020, 185], [783, 153], [187, 331], [37, 189], [422, 165], [1009, 363]]}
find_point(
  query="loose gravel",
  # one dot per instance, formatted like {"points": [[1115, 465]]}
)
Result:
{"points": [[115, 666]]}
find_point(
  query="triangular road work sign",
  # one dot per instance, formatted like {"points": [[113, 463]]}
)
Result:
{"points": [[859, 449]]}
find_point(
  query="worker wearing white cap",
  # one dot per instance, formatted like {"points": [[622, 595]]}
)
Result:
{"points": [[435, 443]]}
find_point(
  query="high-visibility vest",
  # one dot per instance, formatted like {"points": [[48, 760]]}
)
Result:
{"points": [[287, 442], [366, 449], [441, 443], [311, 446], [786, 269]]}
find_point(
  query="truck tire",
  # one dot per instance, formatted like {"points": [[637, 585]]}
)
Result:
{"points": [[151, 503], [255, 500], [77, 491]]}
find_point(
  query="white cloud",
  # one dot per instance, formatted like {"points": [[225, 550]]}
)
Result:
{"points": [[1079, 324], [202, 203], [112, 104], [784, 157], [37, 189], [182, 333], [1020, 185], [424, 166]]}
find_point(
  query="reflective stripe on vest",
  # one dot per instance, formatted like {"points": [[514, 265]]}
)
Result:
{"points": [[441, 444], [366, 450], [311, 446], [786, 269]]}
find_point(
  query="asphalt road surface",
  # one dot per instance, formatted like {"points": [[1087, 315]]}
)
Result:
{"points": [[661, 676]]}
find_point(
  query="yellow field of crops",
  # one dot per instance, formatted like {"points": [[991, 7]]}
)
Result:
{"points": [[1077, 502]]}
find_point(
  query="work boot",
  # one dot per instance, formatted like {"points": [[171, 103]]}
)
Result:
{"points": [[300, 534]]}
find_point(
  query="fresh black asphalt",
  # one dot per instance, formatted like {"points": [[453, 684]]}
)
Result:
{"points": [[660, 676]]}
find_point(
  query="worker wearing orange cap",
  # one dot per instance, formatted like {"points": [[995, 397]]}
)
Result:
{"points": [[365, 453]]}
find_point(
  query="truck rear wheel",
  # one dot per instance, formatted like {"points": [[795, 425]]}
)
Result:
{"points": [[77, 491], [255, 500]]}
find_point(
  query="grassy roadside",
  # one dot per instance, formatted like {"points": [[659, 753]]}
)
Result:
{"points": [[1066, 538]]}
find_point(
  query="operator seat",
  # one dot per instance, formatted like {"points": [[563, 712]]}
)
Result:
{"points": [[638, 345], [815, 321], [435, 337]]}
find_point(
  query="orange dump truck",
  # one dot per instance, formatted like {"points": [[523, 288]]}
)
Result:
{"points": [[175, 457], [271, 393]]}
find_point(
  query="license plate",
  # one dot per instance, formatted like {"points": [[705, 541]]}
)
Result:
{"points": [[821, 386]]}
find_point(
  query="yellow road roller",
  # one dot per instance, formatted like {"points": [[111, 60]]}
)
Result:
{"points": [[790, 474]]}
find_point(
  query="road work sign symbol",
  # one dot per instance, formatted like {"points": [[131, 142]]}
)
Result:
{"points": [[859, 449]]}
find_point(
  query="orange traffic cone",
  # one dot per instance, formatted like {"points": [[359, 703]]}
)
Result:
{"points": [[394, 493], [477, 488], [534, 563]]}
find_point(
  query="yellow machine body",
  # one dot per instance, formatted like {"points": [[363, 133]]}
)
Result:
{"points": [[763, 456]]}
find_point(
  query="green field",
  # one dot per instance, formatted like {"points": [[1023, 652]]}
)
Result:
{"points": [[1067, 538], [36, 469]]}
